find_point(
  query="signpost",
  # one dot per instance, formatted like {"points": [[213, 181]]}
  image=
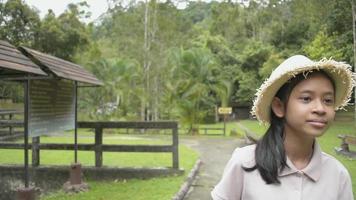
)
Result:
{"points": [[225, 111]]}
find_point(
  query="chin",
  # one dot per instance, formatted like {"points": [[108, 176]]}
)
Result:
{"points": [[316, 134]]}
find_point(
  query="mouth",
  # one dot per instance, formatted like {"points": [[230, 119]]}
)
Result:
{"points": [[318, 123]]}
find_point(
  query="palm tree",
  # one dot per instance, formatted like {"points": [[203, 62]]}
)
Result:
{"points": [[122, 88], [195, 85]]}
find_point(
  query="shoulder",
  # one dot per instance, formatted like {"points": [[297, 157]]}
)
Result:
{"points": [[332, 164], [246, 150], [340, 173], [232, 182], [244, 156]]}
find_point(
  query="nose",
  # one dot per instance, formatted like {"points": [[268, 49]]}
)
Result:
{"points": [[319, 107]]}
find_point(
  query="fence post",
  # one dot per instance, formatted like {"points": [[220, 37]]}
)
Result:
{"points": [[98, 146], [35, 151], [10, 127], [175, 156]]}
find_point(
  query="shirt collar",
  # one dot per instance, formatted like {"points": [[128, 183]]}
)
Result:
{"points": [[312, 170]]}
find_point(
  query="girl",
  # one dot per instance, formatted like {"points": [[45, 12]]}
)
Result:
{"points": [[298, 100]]}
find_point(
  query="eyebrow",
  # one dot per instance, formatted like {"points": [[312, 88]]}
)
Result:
{"points": [[311, 92]]}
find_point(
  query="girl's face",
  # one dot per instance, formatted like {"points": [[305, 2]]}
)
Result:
{"points": [[310, 107]]}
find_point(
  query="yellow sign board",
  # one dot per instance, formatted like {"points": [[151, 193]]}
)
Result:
{"points": [[225, 110]]}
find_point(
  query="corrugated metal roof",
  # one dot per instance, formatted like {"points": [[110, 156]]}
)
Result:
{"points": [[62, 68], [15, 62]]}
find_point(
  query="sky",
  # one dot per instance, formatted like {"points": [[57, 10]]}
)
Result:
{"points": [[96, 7]]}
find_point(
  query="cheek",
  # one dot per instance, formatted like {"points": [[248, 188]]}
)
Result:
{"points": [[295, 113], [295, 108], [332, 114]]}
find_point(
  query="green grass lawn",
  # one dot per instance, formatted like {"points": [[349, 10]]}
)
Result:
{"points": [[152, 189], [327, 142], [135, 189]]}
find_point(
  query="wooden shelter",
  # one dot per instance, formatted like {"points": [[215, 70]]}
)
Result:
{"points": [[27, 65]]}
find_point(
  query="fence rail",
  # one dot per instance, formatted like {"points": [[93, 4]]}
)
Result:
{"points": [[98, 147], [206, 129], [91, 147], [8, 124], [212, 131]]}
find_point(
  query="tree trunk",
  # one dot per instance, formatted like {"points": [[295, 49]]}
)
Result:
{"points": [[150, 29], [156, 100], [156, 83], [146, 64]]}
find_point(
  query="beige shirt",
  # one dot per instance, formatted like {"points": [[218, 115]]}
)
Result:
{"points": [[324, 178]]}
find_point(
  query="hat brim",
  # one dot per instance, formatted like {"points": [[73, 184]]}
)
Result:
{"points": [[340, 72]]}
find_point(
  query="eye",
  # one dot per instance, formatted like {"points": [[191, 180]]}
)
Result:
{"points": [[305, 99], [329, 101]]}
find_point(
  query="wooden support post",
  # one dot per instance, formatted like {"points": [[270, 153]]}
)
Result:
{"points": [[175, 156], [75, 122], [26, 131], [26, 193], [10, 127], [98, 146], [75, 175], [225, 124], [35, 151]]}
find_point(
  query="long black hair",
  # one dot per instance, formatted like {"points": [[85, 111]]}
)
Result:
{"points": [[270, 154]]}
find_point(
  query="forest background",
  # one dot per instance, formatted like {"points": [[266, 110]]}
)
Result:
{"points": [[160, 62]]}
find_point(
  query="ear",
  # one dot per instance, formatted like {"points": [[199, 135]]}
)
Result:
{"points": [[278, 107]]}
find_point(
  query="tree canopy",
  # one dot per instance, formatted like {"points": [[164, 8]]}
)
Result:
{"points": [[162, 62]]}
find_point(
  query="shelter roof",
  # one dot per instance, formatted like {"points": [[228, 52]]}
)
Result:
{"points": [[13, 62], [61, 68]]}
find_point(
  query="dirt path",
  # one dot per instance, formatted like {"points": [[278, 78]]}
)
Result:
{"points": [[214, 153]]}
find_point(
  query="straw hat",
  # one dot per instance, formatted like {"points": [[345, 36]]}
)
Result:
{"points": [[340, 72]]}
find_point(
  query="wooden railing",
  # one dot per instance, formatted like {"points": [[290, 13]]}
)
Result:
{"points": [[211, 131], [98, 147], [206, 129], [8, 124]]}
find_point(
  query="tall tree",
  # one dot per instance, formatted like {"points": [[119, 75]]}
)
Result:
{"points": [[19, 24], [62, 36]]}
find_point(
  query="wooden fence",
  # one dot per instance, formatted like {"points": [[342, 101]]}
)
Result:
{"points": [[98, 147], [206, 129], [8, 124], [210, 131]]}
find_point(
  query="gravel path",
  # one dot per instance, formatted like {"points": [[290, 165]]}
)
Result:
{"points": [[214, 153]]}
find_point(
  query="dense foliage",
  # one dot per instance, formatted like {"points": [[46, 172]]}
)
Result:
{"points": [[162, 62]]}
